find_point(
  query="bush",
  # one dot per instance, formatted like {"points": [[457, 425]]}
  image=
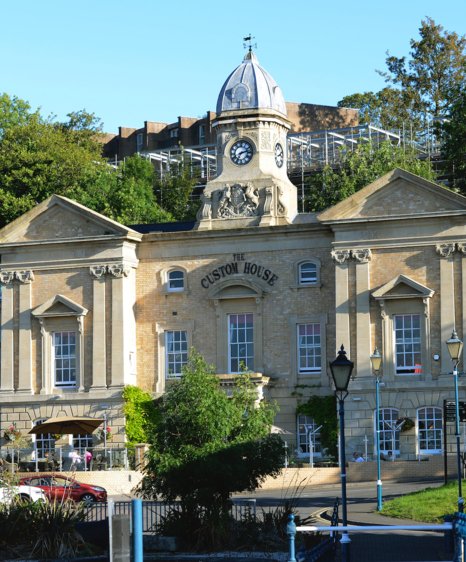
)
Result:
{"points": [[41, 529]]}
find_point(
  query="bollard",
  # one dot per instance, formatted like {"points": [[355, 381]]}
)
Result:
{"points": [[291, 532], [136, 512], [121, 538]]}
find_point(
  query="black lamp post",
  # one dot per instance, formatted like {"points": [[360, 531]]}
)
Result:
{"points": [[376, 362], [341, 369], [455, 346]]}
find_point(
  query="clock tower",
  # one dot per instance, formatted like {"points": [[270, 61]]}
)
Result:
{"points": [[252, 187]]}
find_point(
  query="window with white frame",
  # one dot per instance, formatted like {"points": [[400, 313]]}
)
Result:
{"points": [[83, 443], [240, 342], [307, 273], [64, 359], [408, 353], [429, 430], [43, 443], [389, 435], [174, 133], [309, 348], [175, 280], [307, 436], [176, 352]]}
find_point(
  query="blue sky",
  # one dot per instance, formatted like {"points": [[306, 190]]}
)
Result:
{"points": [[129, 62]]}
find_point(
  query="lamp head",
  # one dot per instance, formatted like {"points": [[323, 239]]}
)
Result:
{"points": [[376, 362], [455, 346], [341, 369]]}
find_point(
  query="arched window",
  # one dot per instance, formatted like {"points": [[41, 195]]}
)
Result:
{"points": [[308, 273], [175, 280], [429, 430], [389, 435], [307, 436]]}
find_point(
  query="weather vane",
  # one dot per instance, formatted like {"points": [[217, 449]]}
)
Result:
{"points": [[248, 44]]}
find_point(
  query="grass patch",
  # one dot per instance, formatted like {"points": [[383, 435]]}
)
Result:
{"points": [[429, 505]]}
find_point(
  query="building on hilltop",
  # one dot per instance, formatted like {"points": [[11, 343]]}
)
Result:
{"points": [[90, 305]]}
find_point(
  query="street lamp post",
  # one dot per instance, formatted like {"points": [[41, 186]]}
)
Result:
{"points": [[376, 362], [455, 346], [341, 369]]}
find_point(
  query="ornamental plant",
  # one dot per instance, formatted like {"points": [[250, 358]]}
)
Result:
{"points": [[12, 433], [105, 433]]}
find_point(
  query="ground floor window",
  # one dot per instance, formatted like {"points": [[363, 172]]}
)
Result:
{"points": [[307, 437], [44, 444], [429, 430], [389, 434], [240, 342]]}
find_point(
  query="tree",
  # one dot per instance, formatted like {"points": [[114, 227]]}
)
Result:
{"points": [[40, 157], [454, 142], [174, 193], [207, 445], [125, 194], [421, 86], [358, 168], [435, 70], [13, 111], [384, 109]]}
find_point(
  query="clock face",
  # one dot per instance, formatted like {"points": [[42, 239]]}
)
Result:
{"points": [[279, 158], [241, 152]]}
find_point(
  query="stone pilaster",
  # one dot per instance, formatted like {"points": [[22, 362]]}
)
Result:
{"points": [[7, 333], [25, 332], [119, 272], [342, 328], [363, 321], [447, 301], [462, 250], [99, 343]]}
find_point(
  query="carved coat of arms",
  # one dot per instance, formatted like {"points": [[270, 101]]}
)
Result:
{"points": [[238, 201]]}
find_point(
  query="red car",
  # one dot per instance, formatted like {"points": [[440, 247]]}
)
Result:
{"points": [[58, 487]]}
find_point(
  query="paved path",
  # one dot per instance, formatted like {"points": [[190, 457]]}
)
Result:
{"points": [[402, 546], [393, 546]]}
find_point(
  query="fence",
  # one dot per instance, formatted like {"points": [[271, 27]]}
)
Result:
{"points": [[60, 459], [153, 512]]}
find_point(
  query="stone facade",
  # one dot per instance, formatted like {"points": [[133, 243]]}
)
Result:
{"points": [[89, 305], [111, 286]]}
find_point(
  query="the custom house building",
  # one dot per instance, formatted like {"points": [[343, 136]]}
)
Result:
{"points": [[89, 305]]}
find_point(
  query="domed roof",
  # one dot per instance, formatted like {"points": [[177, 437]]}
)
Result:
{"points": [[249, 86]]}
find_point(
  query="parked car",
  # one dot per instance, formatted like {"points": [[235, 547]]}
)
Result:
{"points": [[58, 487], [25, 492]]}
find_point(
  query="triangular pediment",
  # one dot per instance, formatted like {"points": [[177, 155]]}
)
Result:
{"points": [[396, 194], [59, 305], [402, 287], [59, 218]]}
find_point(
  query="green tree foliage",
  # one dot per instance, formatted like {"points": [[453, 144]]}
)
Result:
{"points": [[454, 142], [322, 409], [41, 157], [435, 70], [13, 111], [208, 445], [383, 109], [420, 86], [174, 193], [125, 194], [141, 415], [358, 168]]}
